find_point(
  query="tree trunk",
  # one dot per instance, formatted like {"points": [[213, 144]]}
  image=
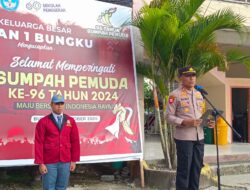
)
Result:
{"points": [[164, 138]]}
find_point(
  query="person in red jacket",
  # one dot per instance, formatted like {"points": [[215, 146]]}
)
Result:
{"points": [[57, 146]]}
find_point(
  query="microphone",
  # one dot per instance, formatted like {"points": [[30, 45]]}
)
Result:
{"points": [[201, 89]]}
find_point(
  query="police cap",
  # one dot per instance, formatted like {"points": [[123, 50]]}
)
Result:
{"points": [[186, 71]]}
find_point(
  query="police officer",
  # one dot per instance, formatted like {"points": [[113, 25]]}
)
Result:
{"points": [[184, 110]]}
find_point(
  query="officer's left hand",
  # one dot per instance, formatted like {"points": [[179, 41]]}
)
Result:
{"points": [[72, 166], [211, 123]]}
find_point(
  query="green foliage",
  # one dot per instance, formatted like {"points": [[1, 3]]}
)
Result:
{"points": [[144, 69], [237, 56], [148, 96], [175, 34]]}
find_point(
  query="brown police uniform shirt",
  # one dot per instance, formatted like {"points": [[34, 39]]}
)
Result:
{"points": [[185, 104]]}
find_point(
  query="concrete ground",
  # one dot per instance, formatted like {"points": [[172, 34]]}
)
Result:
{"points": [[99, 185], [89, 184], [238, 153], [235, 176], [230, 152]]}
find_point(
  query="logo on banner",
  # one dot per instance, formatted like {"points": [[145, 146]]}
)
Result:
{"points": [[111, 22], [10, 5], [33, 5], [104, 17]]}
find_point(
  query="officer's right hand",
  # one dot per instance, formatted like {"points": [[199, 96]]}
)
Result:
{"points": [[192, 122], [43, 169]]}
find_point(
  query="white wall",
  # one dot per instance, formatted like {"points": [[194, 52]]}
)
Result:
{"points": [[210, 6]]}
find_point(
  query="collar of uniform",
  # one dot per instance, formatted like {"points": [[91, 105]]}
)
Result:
{"points": [[55, 115], [187, 91]]}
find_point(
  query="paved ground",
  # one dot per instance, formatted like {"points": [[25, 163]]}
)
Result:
{"points": [[152, 151], [236, 152], [242, 180], [85, 185], [98, 185], [239, 151], [234, 182]]}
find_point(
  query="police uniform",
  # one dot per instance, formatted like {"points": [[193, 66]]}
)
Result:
{"points": [[187, 104]]}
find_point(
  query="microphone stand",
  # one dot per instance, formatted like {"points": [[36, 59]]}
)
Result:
{"points": [[217, 114]]}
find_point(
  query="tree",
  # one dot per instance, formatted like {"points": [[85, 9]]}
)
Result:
{"points": [[148, 97], [175, 34]]}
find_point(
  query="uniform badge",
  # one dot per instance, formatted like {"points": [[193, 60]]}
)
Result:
{"points": [[191, 69], [171, 99], [184, 103], [202, 106], [183, 93], [68, 124], [198, 95]]}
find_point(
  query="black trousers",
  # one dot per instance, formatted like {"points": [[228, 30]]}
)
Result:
{"points": [[189, 164]]}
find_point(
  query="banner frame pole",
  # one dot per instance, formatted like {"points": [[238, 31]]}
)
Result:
{"points": [[142, 174]]}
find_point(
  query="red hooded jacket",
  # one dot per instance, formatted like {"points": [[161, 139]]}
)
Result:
{"points": [[53, 145]]}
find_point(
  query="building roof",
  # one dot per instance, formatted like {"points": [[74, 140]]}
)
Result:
{"points": [[127, 3]]}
